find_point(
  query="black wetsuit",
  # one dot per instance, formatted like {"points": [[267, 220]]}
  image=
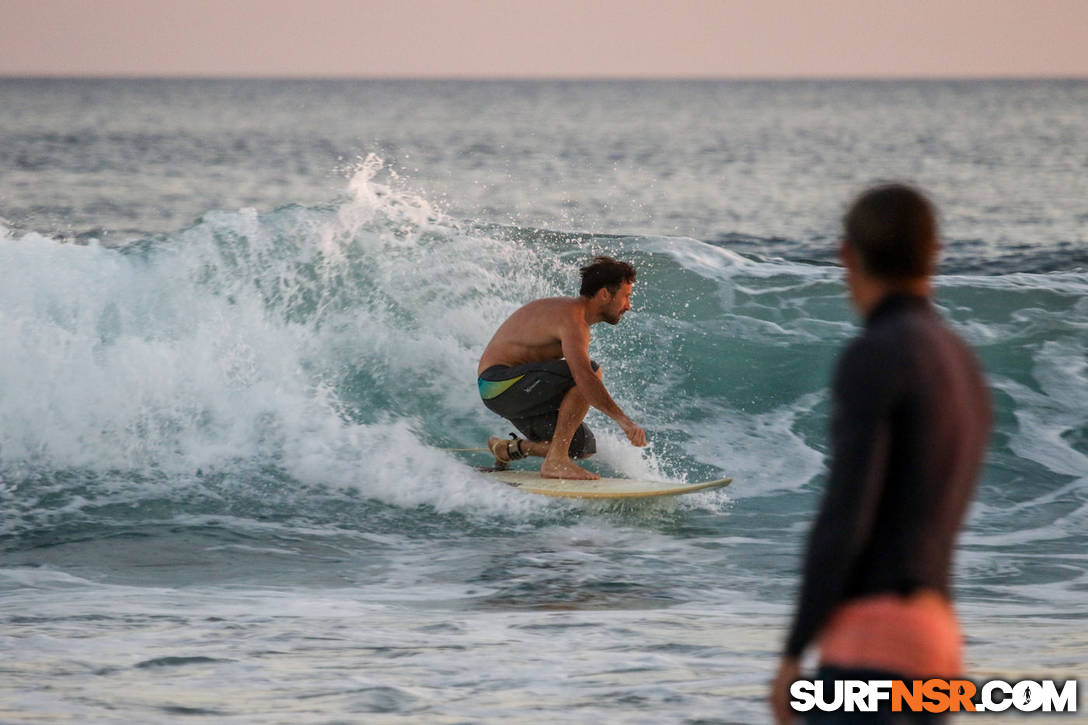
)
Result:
{"points": [[910, 422]]}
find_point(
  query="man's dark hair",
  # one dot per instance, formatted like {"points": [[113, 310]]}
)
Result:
{"points": [[893, 228], [605, 272]]}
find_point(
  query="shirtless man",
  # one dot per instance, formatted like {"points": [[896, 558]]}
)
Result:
{"points": [[536, 372]]}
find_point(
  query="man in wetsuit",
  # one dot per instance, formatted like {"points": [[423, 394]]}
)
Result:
{"points": [[910, 421], [536, 372]]}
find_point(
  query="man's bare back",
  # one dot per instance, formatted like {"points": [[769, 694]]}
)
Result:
{"points": [[532, 333]]}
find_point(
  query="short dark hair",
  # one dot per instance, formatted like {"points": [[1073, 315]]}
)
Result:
{"points": [[893, 228], [605, 272]]}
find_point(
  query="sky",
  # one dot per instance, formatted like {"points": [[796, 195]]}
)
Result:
{"points": [[545, 38]]}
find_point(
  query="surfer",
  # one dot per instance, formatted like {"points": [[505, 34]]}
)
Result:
{"points": [[536, 373], [910, 420]]}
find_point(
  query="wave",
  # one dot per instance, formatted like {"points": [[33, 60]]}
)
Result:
{"points": [[336, 345]]}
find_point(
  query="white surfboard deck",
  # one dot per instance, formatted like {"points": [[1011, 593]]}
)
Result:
{"points": [[602, 488]]}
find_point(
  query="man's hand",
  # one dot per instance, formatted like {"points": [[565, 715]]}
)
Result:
{"points": [[789, 670], [635, 434]]}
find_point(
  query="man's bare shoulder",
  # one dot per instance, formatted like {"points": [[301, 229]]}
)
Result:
{"points": [[536, 331], [552, 305], [548, 312]]}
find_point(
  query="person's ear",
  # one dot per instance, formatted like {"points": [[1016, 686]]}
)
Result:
{"points": [[846, 253]]}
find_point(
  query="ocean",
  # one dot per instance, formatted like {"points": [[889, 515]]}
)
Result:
{"points": [[239, 327]]}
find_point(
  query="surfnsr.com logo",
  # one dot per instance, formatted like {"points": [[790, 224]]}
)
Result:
{"points": [[934, 695]]}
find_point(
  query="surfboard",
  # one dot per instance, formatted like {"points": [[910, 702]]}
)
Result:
{"points": [[602, 488]]}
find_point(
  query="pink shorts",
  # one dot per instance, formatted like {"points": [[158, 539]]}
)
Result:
{"points": [[916, 636]]}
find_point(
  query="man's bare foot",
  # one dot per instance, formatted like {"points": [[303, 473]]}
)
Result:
{"points": [[498, 448], [506, 450], [566, 469]]}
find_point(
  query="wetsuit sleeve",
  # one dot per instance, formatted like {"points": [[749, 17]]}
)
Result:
{"points": [[865, 387]]}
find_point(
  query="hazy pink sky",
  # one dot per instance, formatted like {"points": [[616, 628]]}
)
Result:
{"points": [[558, 38]]}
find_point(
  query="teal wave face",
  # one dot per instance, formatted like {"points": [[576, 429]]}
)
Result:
{"points": [[338, 345]]}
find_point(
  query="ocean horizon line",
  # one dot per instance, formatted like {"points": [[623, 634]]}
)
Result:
{"points": [[546, 78]]}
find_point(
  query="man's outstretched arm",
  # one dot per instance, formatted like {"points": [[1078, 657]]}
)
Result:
{"points": [[574, 336]]}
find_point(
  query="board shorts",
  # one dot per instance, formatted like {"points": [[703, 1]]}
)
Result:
{"points": [[529, 396], [916, 635]]}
